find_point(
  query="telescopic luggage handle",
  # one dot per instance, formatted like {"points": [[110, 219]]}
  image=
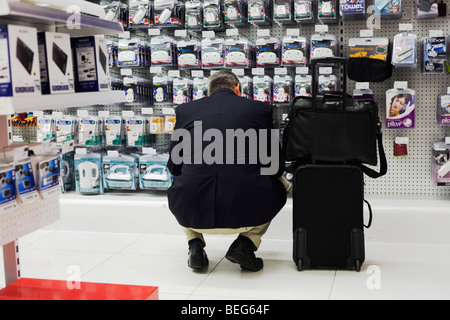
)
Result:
{"points": [[331, 60]]}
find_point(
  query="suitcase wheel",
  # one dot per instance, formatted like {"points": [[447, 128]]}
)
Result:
{"points": [[299, 264], [357, 265]]}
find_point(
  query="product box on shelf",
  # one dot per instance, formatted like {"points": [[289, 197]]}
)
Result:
{"points": [[8, 192], [88, 172], [90, 55], [153, 172], [48, 170], [119, 171], [440, 169], [19, 61], [56, 64], [26, 182], [443, 108], [400, 108]]}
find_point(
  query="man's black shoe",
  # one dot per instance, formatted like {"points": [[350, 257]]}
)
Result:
{"points": [[241, 251], [197, 258]]}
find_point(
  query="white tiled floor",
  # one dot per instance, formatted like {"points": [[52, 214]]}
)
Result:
{"points": [[391, 270]]}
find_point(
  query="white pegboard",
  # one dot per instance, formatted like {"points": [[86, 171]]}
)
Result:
{"points": [[29, 217], [408, 176]]}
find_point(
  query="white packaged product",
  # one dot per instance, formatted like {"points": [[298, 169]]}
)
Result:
{"points": [[19, 61], [162, 51], [199, 88], [239, 52], [213, 52], [182, 90], [294, 51], [327, 11], [162, 89], [213, 15], [113, 130], [268, 51], [324, 46], [304, 11], [194, 15], [282, 89], [404, 50], [263, 88], [188, 53], [303, 85], [153, 172]]}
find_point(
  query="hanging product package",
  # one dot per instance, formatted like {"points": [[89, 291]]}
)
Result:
{"points": [[333, 127], [369, 60]]}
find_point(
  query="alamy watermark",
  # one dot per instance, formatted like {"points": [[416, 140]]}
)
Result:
{"points": [[235, 147]]}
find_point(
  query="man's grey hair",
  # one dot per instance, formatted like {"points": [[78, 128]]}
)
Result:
{"points": [[222, 79]]}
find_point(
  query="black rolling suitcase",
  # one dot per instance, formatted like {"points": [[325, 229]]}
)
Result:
{"points": [[328, 216]]}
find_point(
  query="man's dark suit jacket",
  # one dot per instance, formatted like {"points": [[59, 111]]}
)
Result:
{"points": [[208, 196]]}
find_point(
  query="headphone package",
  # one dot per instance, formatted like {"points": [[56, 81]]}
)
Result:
{"points": [[194, 15], [119, 172], [400, 108], [327, 11], [236, 13], [213, 50], [8, 192], [88, 172], [260, 12], [19, 61], [91, 64], [56, 64], [304, 11], [294, 51], [443, 108], [188, 53], [239, 52], [162, 51], [404, 51], [153, 172]]}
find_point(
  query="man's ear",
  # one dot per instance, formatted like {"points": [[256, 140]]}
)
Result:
{"points": [[237, 89]]}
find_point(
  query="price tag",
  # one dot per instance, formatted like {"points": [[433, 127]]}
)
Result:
{"points": [[447, 140], [366, 33], [263, 33], [362, 85], [181, 33], [126, 72], [280, 70], [155, 69], [401, 84], [113, 153], [232, 32], [173, 73], [147, 110], [197, 73], [154, 32], [238, 72], [302, 70], [325, 70], [401, 140], [293, 32], [405, 26], [208, 34], [258, 71], [436, 33], [321, 28]]}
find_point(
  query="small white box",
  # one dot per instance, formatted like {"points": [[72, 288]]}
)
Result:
{"points": [[91, 68], [56, 64], [19, 61]]}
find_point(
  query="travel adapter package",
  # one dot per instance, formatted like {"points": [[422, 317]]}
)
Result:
{"points": [[66, 128], [200, 87], [137, 90], [139, 14], [45, 129], [213, 15], [162, 89], [404, 51], [89, 131], [213, 52], [263, 88], [88, 172], [91, 64], [119, 172], [283, 12], [268, 51], [136, 131], [304, 12], [246, 86], [8, 192], [163, 51], [236, 13], [388, 9], [128, 53], [182, 90], [443, 108], [168, 13], [194, 15], [153, 172], [239, 51], [188, 53], [328, 82], [303, 84], [324, 45], [283, 87], [260, 12], [19, 62], [400, 107], [113, 130], [294, 50], [56, 64], [440, 164], [327, 11], [116, 11]]}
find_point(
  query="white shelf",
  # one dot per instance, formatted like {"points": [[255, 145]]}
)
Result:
{"points": [[11, 105], [44, 18]]}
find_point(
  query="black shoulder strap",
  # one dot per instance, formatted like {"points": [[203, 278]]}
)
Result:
{"points": [[383, 162]]}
